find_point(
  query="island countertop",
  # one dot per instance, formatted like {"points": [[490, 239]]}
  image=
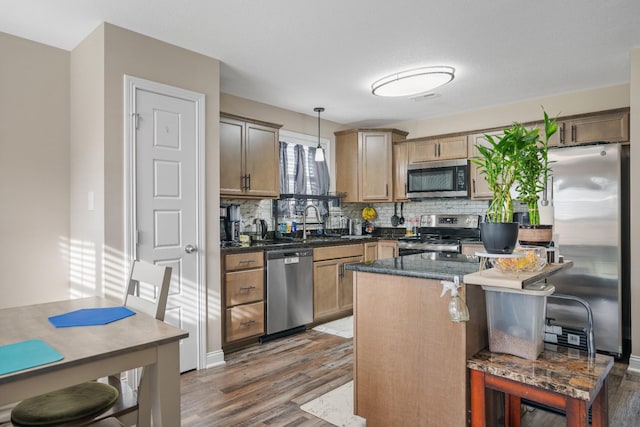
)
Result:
{"points": [[428, 265]]}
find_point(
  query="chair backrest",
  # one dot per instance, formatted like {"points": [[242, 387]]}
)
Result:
{"points": [[159, 277]]}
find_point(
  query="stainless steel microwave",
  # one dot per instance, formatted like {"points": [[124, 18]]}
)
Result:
{"points": [[448, 178]]}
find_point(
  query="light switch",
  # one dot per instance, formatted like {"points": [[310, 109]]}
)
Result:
{"points": [[90, 201]]}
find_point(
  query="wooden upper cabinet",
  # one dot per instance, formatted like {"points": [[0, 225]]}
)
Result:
{"points": [[400, 161], [454, 147], [364, 164], [262, 164], [231, 156], [376, 172], [249, 165], [478, 181], [607, 127]]}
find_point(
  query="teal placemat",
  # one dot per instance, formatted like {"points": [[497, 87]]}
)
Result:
{"points": [[25, 355]]}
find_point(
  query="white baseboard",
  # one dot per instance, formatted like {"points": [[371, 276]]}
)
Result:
{"points": [[215, 358], [634, 364]]}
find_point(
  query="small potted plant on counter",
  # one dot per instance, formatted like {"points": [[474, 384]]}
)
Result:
{"points": [[499, 162], [531, 180]]}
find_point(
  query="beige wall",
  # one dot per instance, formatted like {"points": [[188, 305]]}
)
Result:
{"points": [[34, 172], [102, 61], [635, 208], [87, 166], [525, 111]]}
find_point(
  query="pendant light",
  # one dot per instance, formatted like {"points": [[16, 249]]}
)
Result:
{"points": [[319, 151]]}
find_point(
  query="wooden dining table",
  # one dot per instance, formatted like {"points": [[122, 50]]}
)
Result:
{"points": [[90, 352]]}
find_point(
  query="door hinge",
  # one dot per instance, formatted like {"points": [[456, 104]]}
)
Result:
{"points": [[136, 120]]}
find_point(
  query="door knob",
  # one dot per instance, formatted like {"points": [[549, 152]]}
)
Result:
{"points": [[190, 249]]}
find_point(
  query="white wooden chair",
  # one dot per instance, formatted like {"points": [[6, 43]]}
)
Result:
{"points": [[145, 279]]}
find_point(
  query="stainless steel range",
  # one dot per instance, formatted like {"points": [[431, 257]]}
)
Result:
{"points": [[442, 233]]}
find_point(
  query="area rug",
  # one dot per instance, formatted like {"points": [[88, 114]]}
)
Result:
{"points": [[341, 327], [336, 407]]}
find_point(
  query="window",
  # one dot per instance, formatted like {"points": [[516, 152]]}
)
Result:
{"points": [[300, 174]]}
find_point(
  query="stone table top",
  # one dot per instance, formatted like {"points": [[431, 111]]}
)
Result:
{"points": [[563, 370]]}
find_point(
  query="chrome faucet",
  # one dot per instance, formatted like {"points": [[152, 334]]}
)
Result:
{"points": [[304, 221]]}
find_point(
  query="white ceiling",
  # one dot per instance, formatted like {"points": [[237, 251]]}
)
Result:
{"points": [[299, 54]]}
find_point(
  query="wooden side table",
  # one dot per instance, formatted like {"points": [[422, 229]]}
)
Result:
{"points": [[563, 378]]}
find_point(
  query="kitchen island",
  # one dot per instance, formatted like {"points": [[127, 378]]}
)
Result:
{"points": [[410, 359]]}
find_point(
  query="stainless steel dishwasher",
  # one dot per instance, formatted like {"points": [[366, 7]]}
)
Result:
{"points": [[289, 290]]}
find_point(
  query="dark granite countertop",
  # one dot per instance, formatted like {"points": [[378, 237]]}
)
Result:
{"points": [[313, 242], [424, 266]]}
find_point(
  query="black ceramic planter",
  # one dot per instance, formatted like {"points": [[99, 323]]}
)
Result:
{"points": [[499, 237]]}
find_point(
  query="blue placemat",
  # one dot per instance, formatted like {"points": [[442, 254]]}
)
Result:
{"points": [[25, 355], [90, 316]]}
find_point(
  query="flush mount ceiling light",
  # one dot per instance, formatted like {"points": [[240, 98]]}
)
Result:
{"points": [[413, 82], [319, 157]]}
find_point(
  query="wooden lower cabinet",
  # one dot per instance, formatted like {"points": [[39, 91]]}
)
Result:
{"points": [[381, 249], [387, 249], [245, 321], [472, 248], [332, 283], [370, 251], [410, 359], [243, 298]]}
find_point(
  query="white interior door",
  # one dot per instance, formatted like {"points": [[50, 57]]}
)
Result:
{"points": [[166, 204]]}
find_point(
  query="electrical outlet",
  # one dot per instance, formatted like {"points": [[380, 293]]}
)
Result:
{"points": [[573, 339]]}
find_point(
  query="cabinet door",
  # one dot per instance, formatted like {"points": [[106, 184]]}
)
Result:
{"points": [[387, 249], [345, 285], [600, 128], [231, 149], [423, 151], [370, 251], [325, 288], [261, 161], [454, 147], [400, 161], [347, 166], [376, 163], [479, 186], [554, 141]]}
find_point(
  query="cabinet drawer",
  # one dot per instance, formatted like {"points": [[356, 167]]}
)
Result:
{"points": [[243, 261], [245, 321], [472, 248], [244, 286], [333, 252]]}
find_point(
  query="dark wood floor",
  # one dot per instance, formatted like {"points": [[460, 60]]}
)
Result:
{"points": [[264, 386]]}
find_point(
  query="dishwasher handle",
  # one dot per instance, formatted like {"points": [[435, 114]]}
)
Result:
{"points": [[288, 253]]}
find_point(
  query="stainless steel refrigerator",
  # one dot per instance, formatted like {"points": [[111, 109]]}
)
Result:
{"points": [[591, 228]]}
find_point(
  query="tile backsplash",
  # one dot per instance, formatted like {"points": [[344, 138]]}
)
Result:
{"points": [[250, 209]]}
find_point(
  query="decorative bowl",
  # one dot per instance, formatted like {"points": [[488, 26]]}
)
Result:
{"points": [[534, 259]]}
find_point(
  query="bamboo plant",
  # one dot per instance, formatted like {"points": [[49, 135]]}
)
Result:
{"points": [[499, 161], [533, 168]]}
